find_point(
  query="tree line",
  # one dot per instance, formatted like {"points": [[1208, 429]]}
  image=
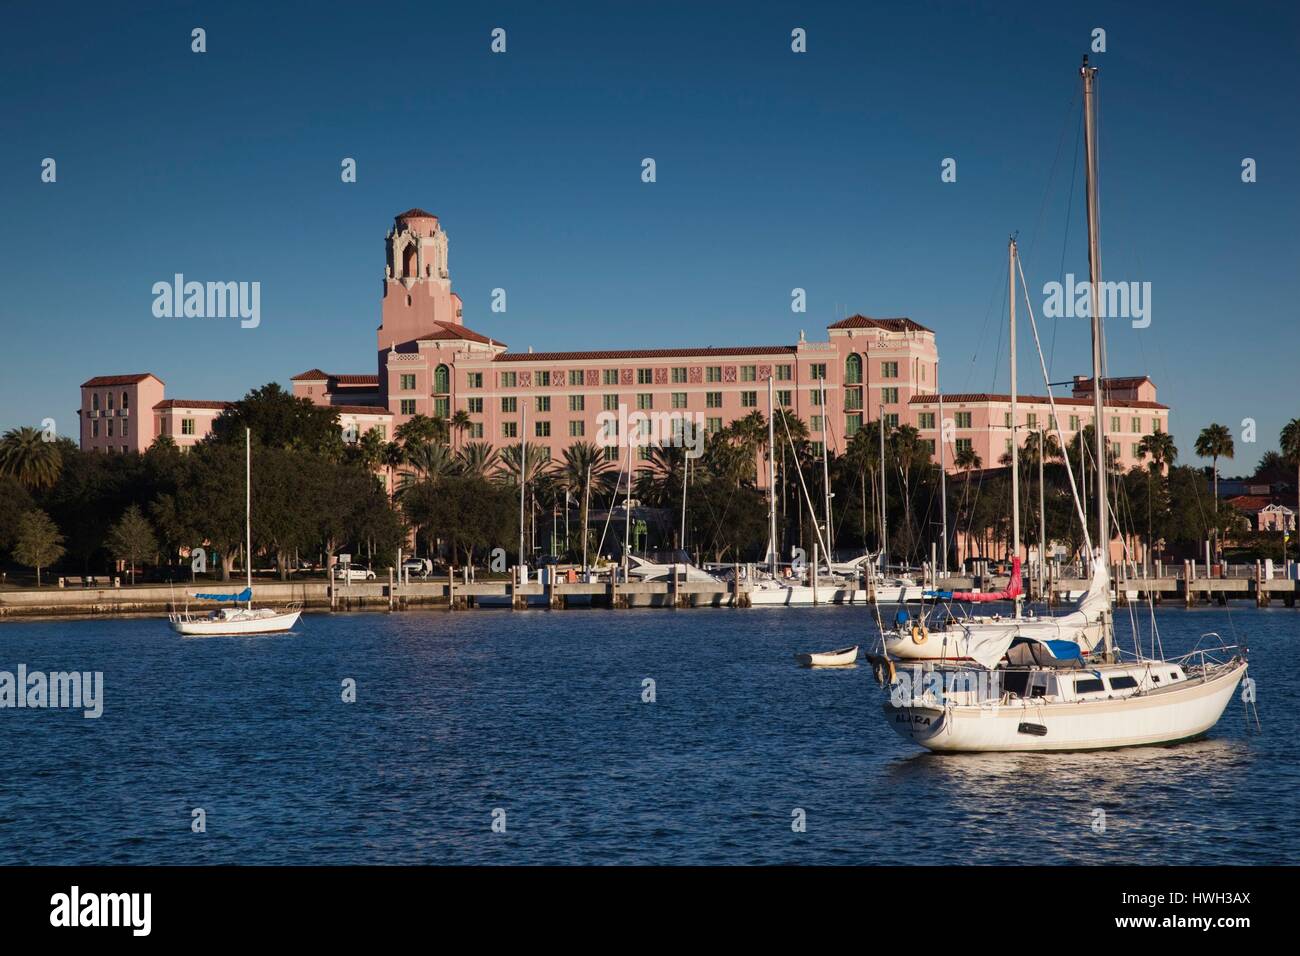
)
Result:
{"points": [[316, 495]]}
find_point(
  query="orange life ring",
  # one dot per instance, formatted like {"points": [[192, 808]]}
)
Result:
{"points": [[919, 635]]}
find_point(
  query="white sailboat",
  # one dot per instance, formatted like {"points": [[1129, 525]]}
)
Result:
{"points": [[1028, 696], [238, 620]]}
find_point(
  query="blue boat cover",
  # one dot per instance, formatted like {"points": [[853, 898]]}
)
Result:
{"points": [[1063, 650], [244, 595]]}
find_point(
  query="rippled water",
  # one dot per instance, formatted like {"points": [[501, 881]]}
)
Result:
{"points": [[540, 714]]}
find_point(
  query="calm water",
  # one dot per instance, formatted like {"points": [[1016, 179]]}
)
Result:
{"points": [[540, 714]]}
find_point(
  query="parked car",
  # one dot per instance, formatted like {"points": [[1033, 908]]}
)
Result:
{"points": [[419, 566], [354, 572]]}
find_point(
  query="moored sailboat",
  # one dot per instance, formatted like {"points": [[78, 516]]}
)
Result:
{"points": [[238, 620], [1028, 696]]}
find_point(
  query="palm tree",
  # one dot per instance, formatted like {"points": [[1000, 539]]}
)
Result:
{"points": [[583, 463], [461, 422], [28, 457], [536, 467], [421, 429], [1159, 447], [430, 461], [369, 449], [1290, 443], [1215, 442], [394, 457], [478, 459], [536, 464]]}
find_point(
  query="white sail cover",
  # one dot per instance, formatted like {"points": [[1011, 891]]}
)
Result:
{"points": [[986, 642]]}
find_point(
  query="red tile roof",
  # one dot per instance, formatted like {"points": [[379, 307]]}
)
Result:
{"points": [[188, 403], [977, 397], [416, 213], [316, 375], [360, 409], [889, 325], [1251, 502], [450, 330], [1128, 381], [100, 381], [647, 354]]}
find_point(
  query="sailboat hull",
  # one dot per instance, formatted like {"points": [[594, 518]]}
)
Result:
{"points": [[1169, 716], [204, 627]]}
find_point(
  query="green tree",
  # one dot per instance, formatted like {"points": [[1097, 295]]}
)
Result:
{"points": [[1290, 443], [469, 513], [278, 419], [39, 543], [15, 501], [209, 502], [421, 430], [478, 459], [132, 538], [28, 457]]}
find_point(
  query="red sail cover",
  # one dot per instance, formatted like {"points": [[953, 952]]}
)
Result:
{"points": [[1013, 589]]}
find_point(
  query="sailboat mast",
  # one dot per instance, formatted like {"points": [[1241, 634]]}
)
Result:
{"points": [[627, 510], [1042, 518], [1015, 417], [771, 477], [826, 476], [248, 512], [884, 514], [1094, 279], [523, 471], [686, 473], [943, 471]]}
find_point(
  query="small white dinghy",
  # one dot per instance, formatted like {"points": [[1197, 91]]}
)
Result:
{"points": [[844, 657]]}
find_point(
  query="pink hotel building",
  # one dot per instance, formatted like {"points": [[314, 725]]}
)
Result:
{"points": [[430, 363]]}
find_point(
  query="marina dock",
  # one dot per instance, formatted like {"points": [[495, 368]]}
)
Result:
{"points": [[1185, 585]]}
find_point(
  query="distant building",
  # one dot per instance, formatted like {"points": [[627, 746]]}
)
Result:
{"points": [[982, 421], [116, 413], [429, 363], [1264, 512]]}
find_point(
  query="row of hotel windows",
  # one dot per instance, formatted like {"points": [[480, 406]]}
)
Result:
{"points": [[609, 376], [644, 400], [678, 375], [963, 420], [187, 427], [108, 398], [853, 370]]}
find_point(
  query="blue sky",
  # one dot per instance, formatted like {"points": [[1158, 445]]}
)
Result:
{"points": [[775, 171]]}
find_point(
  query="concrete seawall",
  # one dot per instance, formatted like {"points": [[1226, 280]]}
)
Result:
{"points": [[157, 600]]}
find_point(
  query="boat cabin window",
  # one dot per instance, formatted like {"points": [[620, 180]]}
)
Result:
{"points": [[1088, 685], [1173, 675], [1123, 682], [1015, 682], [1155, 678]]}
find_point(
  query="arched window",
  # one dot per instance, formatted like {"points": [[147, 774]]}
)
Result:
{"points": [[126, 401], [853, 369], [410, 261], [441, 380]]}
